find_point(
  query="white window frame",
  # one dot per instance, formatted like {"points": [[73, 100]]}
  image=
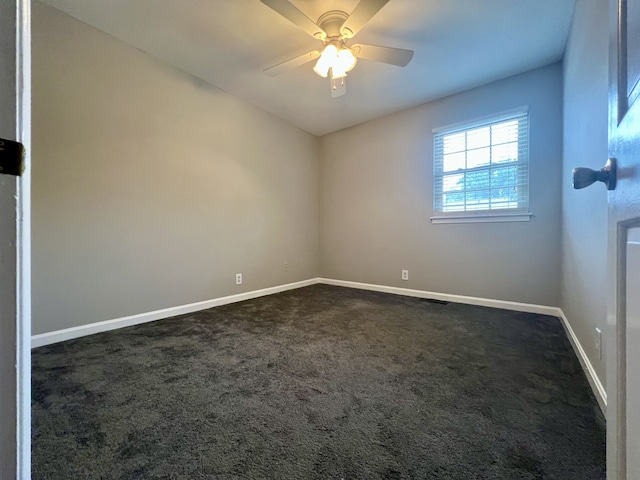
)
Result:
{"points": [[513, 214]]}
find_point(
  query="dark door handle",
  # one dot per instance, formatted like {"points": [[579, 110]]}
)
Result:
{"points": [[583, 177]]}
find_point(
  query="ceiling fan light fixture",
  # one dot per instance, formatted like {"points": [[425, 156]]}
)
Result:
{"points": [[321, 69], [340, 59], [346, 60], [326, 60]]}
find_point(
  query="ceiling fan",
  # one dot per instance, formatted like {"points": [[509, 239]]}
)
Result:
{"points": [[333, 29]]}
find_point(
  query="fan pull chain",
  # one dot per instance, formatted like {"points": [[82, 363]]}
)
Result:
{"points": [[333, 83]]}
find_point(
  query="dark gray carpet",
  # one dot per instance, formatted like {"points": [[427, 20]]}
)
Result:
{"points": [[319, 383]]}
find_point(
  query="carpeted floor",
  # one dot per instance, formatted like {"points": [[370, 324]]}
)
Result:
{"points": [[319, 383]]}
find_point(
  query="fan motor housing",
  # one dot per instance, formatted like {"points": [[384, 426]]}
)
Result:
{"points": [[331, 22]]}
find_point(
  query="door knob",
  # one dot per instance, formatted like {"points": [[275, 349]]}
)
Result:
{"points": [[583, 177]]}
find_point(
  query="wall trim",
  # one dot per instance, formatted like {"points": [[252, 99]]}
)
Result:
{"points": [[590, 372], [107, 325], [447, 297]]}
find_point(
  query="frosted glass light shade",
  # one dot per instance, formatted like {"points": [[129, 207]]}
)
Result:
{"points": [[326, 60], [339, 60]]}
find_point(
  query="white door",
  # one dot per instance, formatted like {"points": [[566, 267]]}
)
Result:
{"points": [[15, 297], [623, 256]]}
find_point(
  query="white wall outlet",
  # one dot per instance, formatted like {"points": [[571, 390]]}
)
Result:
{"points": [[286, 266], [405, 274], [238, 279], [599, 342]]}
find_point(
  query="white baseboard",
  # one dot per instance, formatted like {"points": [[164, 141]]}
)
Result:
{"points": [[447, 297], [83, 330], [596, 385]]}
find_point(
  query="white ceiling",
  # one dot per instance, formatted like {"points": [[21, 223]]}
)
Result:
{"points": [[459, 44]]}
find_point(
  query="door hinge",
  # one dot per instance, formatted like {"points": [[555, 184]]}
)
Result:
{"points": [[11, 157]]}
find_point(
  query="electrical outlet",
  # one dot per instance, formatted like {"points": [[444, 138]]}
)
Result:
{"points": [[286, 266], [405, 274], [599, 342], [238, 279]]}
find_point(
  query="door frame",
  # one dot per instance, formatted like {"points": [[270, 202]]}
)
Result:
{"points": [[23, 127]]}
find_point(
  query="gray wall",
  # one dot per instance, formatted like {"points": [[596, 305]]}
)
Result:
{"points": [[584, 233], [8, 268], [151, 190], [377, 195]]}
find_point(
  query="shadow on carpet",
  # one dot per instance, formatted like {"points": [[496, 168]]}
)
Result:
{"points": [[319, 383]]}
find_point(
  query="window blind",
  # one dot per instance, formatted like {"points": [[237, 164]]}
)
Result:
{"points": [[483, 165]]}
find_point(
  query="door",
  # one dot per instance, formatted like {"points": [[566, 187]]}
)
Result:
{"points": [[623, 256], [15, 297]]}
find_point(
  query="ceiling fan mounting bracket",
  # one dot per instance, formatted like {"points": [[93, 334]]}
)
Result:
{"points": [[331, 22]]}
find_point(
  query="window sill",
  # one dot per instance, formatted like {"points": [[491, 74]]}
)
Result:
{"points": [[482, 218]]}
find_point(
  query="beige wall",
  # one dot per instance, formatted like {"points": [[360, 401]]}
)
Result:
{"points": [[150, 189], [584, 233], [377, 195]]}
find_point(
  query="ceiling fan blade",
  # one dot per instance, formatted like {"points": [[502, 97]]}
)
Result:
{"points": [[392, 56], [295, 16], [364, 11], [293, 63]]}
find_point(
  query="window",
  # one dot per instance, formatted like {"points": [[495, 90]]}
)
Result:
{"points": [[481, 170]]}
